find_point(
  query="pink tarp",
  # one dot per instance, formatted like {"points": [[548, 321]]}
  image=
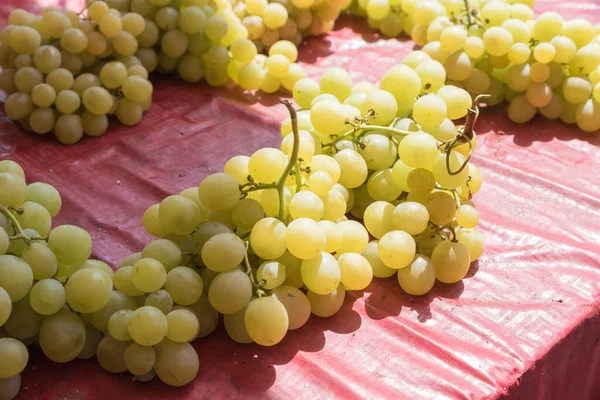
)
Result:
{"points": [[524, 323]]}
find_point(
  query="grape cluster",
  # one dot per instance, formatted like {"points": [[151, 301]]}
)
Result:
{"points": [[369, 181], [53, 294], [543, 65], [65, 74]]}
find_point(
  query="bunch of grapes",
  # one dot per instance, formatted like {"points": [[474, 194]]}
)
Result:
{"points": [[544, 64], [65, 74], [53, 294]]}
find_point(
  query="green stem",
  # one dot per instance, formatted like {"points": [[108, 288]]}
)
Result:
{"points": [[433, 233], [293, 161], [386, 129], [17, 227], [469, 21], [261, 186], [255, 286], [298, 178]]}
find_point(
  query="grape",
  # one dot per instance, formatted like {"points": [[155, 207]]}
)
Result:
{"points": [[147, 326], [268, 238], [219, 191], [99, 265], [88, 290], [110, 25], [266, 321], [378, 218], [184, 285], [473, 239], [148, 275], [419, 277], [5, 306], [230, 291], [25, 40], [356, 271], [24, 322], [111, 354], [18, 106], [396, 249], [92, 340], [183, 325], [429, 111], [164, 251], [47, 297], [74, 41], [353, 168], [223, 252], [123, 281], [355, 237], [118, 301], [139, 359], [14, 357], [321, 274], [16, 277], [411, 217], [62, 336], [136, 89], [587, 116], [9, 387], [118, 325], [457, 101], [176, 364], [160, 299], [451, 261], [328, 304], [547, 25], [371, 254]]}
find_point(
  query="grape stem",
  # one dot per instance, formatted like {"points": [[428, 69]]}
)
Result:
{"points": [[255, 286], [436, 231], [364, 129], [16, 226], [468, 8], [292, 162], [465, 135]]}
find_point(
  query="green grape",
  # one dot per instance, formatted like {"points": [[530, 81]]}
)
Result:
{"points": [[336, 81], [10, 387], [268, 238], [429, 111], [519, 30], [88, 290], [111, 354], [356, 271], [457, 101], [41, 260], [130, 259], [544, 53], [183, 326], [380, 270], [305, 238], [497, 41], [327, 164], [178, 215], [467, 216], [419, 277], [411, 217], [219, 191], [62, 336], [16, 277], [18, 106], [160, 299], [355, 237], [473, 239], [164, 251], [266, 321], [13, 190], [118, 325], [539, 94], [223, 252], [306, 204], [24, 322], [118, 301], [381, 186], [47, 297], [148, 275], [519, 53], [451, 261], [396, 249], [139, 359], [432, 74], [378, 218], [539, 72], [296, 305], [5, 306], [176, 364], [147, 326], [384, 107], [92, 339], [353, 168], [412, 60], [577, 89], [235, 325], [328, 304], [587, 116], [34, 216], [321, 274], [99, 265], [379, 152], [14, 357], [230, 291], [137, 89], [547, 25], [124, 283], [184, 285], [440, 171]]}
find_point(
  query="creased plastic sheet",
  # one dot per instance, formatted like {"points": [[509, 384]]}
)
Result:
{"points": [[524, 324]]}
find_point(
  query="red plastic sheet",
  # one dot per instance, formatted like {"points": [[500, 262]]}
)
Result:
{"points": [[524, 324]]}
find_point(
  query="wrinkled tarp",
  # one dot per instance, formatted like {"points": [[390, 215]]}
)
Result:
{"points": [[524, 324]]}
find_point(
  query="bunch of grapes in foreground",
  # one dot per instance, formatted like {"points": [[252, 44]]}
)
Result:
{"points": [[545, 64], [265, 243]]}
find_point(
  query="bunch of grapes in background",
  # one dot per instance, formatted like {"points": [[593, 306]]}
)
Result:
{"points": [[545, 64], [65, 74]]}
